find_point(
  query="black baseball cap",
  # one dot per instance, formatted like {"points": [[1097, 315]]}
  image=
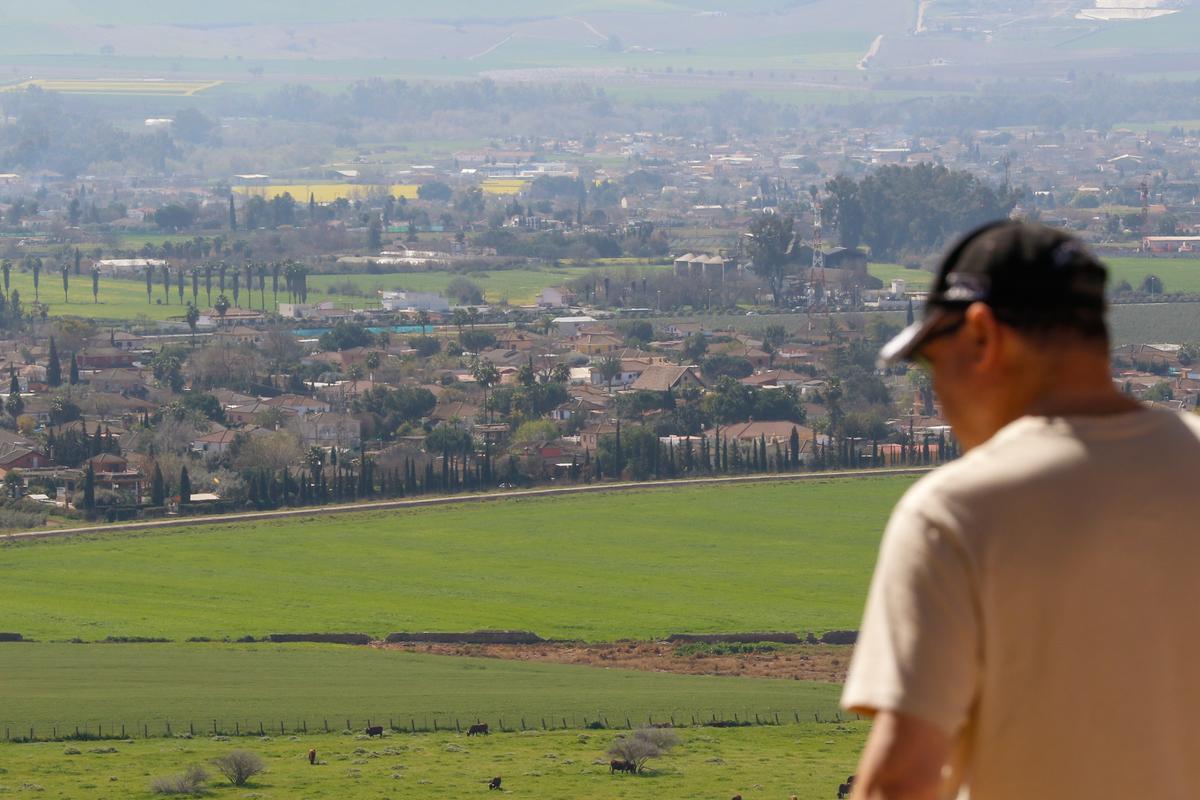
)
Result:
{"points": [[1027, 272]]}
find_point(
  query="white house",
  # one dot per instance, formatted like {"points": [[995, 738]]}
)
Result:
{"points": [[414, 301]]}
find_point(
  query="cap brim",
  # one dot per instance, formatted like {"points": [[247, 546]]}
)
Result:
{"points": [[904, 344]]}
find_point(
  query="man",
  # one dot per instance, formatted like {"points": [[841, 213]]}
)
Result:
{"points": [[1033, 626]]}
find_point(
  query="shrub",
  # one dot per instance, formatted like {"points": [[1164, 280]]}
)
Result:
{"points": [[643, 745], [239, 766], [190, 781]]}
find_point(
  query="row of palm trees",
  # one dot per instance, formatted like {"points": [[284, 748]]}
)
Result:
{"points": [[295, 277]]}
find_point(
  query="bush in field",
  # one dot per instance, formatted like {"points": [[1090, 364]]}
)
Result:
{"points": [[643, 745], [191, 781], [239, 766]]}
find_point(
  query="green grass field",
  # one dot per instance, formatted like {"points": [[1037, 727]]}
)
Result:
{"points": [[599, 567], [60, 686], [118, 299], [807, 760], [1178, 274], [916, 280], [517, 286]]}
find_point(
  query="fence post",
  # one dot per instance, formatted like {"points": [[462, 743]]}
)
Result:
{"points": [[327, 726], [412, 724], [304, 724], [543, 723], [796, 714], [564, 720], [99, 730], [776, 717], [192, 728], [627, 725], [122, 730], [457, 727], [347, 724], [145, 731], [522, 723], [54, 730], [502, 724], [237, 728], [168, 727], [435, 727], [281, 727], [756, 719], [260, 728]]}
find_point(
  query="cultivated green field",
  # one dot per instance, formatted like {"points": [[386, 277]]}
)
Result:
{"points": [[118, 299], [915, 279], [599, 567], [1179, 275], [55, 687], [516, 286], [807, 760]]}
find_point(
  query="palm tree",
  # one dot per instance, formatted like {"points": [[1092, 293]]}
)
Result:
{"points": [[372, 362], [423, 320], [487, 376], [193, 318], [610, 368]]}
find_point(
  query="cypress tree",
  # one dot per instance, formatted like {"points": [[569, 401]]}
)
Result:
{"points": [[89, 489], [158, 489], [73, 377], [185, 485], [794, 447], [54, 367]]}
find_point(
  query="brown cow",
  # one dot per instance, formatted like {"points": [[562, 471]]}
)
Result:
{"points": [[312, 756], [478, 729]]}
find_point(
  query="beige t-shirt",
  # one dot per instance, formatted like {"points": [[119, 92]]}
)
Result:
{"points": [[1039, 600]]}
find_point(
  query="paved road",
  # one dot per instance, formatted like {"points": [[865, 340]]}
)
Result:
{"points": [[385, 505]]}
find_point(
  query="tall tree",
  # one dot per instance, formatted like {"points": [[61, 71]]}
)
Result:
{"points": [[185, 485], [66, 279], [769, 243], [195, 285], [6, 268], [232, 214], [89, 489], [275, 267], [73, 378], [158, 487], [37, 276], [166, 276], [208, 282], [193, 318], [95, 285], [149, 284], [53, 366]]}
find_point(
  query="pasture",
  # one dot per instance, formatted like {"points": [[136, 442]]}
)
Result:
{"points": [[790, 556], [516, 286], [807, 760], [149, 87], [119, 299], [1179, 275], [242, 685]]}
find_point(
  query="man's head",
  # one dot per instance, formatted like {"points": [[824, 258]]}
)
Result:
{"points": [[1015, 319]]}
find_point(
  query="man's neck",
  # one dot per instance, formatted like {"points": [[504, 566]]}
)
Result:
{"points": [[1075, 384]]}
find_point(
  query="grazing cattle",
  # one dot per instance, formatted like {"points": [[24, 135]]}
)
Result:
{"points": [[494, 783], [844, 789], [375, 730], [478, 729], [622, 766], [312, 756], [737, 797]]}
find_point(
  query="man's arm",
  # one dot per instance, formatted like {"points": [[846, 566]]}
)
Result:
{"points": [[904, 759]]}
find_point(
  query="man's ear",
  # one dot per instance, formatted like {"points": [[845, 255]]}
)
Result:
{"points": [[985, 336]]}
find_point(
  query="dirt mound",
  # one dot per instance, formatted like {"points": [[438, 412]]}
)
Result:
{"points": [[472, 637], [809, 662]]}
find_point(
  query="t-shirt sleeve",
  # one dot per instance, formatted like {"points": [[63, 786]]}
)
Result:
{"points": [[919, 646]]}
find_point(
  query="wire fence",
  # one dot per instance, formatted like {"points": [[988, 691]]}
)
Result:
{"points": [[410, 724]]}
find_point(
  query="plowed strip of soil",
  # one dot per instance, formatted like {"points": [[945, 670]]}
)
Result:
{"points": [[818, 662]]}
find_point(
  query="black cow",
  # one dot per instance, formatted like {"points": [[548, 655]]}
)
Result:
{"points": [[844, 789], [478, 729], [494, 783], [621, 766], [375, 730]]}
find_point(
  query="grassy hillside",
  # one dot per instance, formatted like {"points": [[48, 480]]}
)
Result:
{"points": [[805, 760], [156, 684], [792, 557]]}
